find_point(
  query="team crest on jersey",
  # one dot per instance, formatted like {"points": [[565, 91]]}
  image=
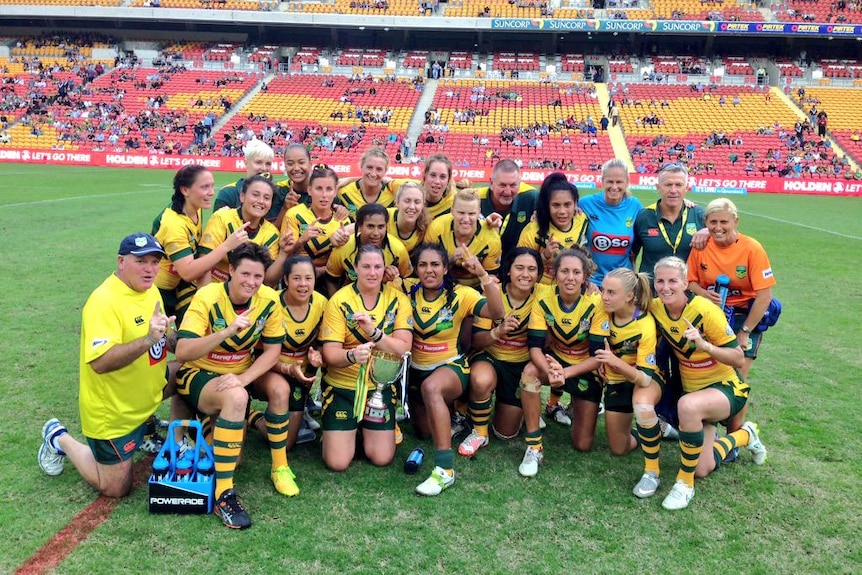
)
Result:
{"points": [[258, 326], [219, 324], [627, 346], [351, 323], [522, 217], [741, 272], [629, 222], [585, 325], [690, 229], [549, 319], [606, 326], [444, 318], [351, 275], [389, 320]]}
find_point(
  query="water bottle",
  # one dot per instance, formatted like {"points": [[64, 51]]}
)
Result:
{"points": [[160, 468], [721, 284], [205, 466], [414, 461], [184, 467]]}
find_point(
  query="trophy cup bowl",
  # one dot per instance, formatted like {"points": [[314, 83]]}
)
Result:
{"points": [[385, 369]]}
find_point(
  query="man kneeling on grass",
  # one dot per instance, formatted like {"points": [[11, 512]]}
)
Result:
{"points": [[124, 372]]}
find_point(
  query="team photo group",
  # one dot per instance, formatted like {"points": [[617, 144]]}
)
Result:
{"points": [[436, 302]]}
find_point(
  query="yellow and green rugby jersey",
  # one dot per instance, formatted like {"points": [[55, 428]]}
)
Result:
{"points": [[568, 326], [212, 311], [225, 222]]}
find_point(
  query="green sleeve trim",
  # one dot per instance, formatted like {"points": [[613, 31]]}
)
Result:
{"points": [[185, 334]]}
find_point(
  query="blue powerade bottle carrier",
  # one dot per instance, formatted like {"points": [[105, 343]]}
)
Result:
{"points": [[188, 491]]}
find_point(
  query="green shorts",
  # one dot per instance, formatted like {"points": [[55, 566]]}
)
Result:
{"points": [[736, 392], [191, 382], [508, 378], [119, 449], [586, 387], [415, 377], [178, 300], [618, 397], [298, 394], [338, 410]]}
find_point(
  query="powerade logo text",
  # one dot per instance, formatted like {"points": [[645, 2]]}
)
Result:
{"points": [[177, 501]]}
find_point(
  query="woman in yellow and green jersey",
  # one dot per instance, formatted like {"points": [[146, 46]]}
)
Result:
{"points": [[713, 392], [622, 338], [439, 371], [373, 187], [313, 225], [464, 230], [503, 354], [216, 344], [558, 225], [364, 315], [409, 219], [179, 228], [255, 198], [558, 338]]}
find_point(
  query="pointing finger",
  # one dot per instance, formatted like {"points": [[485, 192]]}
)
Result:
{"points": [[689, 323], [158, 309]]}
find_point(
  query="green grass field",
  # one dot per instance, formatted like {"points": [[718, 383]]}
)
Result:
{"points": [[799, 513]]}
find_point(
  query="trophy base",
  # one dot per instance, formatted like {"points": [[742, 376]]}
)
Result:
{"points": [[376, 414]]}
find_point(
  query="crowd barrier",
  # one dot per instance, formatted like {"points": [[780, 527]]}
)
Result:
{"points": [[708, 184]]}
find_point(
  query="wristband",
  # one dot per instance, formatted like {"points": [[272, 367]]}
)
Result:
{"points": [[745, 329], [377, 335], [350, 357], [150, 340]]}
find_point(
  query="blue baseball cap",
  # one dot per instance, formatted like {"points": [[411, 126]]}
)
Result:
{"points": [[140, 244]]}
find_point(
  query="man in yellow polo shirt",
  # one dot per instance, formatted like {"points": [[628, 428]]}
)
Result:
{"points": [[123, 372]]}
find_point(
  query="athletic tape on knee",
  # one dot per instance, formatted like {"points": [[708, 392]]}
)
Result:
{"points": [[502, 436], [645, 415], [532, 385]]}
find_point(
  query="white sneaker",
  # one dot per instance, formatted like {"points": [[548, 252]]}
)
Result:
{"points": [[679, 497], [542, 424], [647, 486], [313, 425], [530, 464], [755, 446], [436, 483], [558, 414], [51, 459], [668, 431], [472, 443]]}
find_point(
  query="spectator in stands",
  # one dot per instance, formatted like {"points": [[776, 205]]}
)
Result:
{"points": [[258, 161], [822, 121], [611, 214], [507, 203]]}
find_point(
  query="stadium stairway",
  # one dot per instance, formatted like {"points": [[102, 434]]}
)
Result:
{"points": [[414, 129], [615, 133], [790, 103], [240, 104]]}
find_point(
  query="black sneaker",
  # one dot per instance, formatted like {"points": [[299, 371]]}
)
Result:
{"points": [[231, 511]]}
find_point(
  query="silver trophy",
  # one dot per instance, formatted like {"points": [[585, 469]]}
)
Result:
{"points": [[384, 369]]}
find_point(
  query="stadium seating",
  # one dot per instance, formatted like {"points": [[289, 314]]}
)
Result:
{"points": [[476, 115], [836, 12]]}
